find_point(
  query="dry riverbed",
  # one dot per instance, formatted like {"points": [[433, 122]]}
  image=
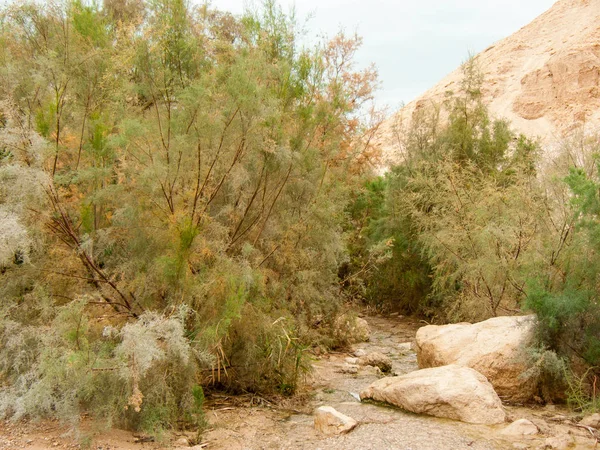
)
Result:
{"points": [[254, 423]]}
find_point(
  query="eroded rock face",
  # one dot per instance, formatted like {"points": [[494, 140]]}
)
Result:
{"points": [[452, 391], [332, 422], [544, 79], [493, 347]]}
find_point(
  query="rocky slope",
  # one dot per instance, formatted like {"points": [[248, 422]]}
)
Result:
{"points": [[545, 78]]}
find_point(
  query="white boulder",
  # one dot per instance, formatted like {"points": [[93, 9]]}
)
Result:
{"points": [[451, 391], [492, 347]]}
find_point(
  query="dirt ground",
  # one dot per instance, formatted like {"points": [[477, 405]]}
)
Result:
{"points": [[255, 423]]}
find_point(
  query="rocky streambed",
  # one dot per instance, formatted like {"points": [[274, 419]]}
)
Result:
{"points": [[337, 381]]}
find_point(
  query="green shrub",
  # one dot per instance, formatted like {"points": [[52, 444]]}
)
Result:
{"points": [[172, 205]]}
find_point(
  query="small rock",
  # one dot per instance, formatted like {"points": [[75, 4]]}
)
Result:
{"points": [[521, 427], [405, 347], [371, 370], [359, 352], [183, 442], [351, 360], [376, 359], [591, 421], [349, 369], [353, 329], [562, 442], [331, 422], [355, 396]]}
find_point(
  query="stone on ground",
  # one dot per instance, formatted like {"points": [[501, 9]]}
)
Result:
{"points": [[492, 347], [348, 368], [376, 359], [561, 442], [591, 421], [331, 422], [405, 347], [182, 442], [521, 427], [359, 352], [353, 329], [452, 391]]}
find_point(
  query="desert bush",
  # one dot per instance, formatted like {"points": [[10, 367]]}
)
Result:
{"points": [[564, 296], [172, 191], [453, 211]]}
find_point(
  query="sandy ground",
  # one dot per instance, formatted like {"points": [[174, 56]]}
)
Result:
{"points": [[263, 425]]}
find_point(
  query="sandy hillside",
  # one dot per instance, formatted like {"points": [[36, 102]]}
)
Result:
{"points": [[545, 78]]}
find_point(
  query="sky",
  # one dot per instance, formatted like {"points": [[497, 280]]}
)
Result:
{"points": [[415, 43]]}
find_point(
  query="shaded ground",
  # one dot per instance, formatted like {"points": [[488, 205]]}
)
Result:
{"points": [[335, 381]]}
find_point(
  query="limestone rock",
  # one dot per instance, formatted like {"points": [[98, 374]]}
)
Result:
{"points": [[348, 368], [405, 347], [182, 442], [452, 391], [376, 359], [521, 427], [330, 421], [371, 371], [361, 330], [492, 347], [591, 421], [353, 329], [561, 442]]}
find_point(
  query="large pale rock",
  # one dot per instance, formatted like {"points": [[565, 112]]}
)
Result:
{"points": [[452, 391], [521, 427], [330, 421], [492, 347]]}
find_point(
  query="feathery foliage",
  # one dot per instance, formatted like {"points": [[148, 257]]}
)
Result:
{"points": [[172, 190]]}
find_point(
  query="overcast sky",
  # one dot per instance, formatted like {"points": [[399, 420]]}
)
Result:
{"points": [[413, 43]]}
